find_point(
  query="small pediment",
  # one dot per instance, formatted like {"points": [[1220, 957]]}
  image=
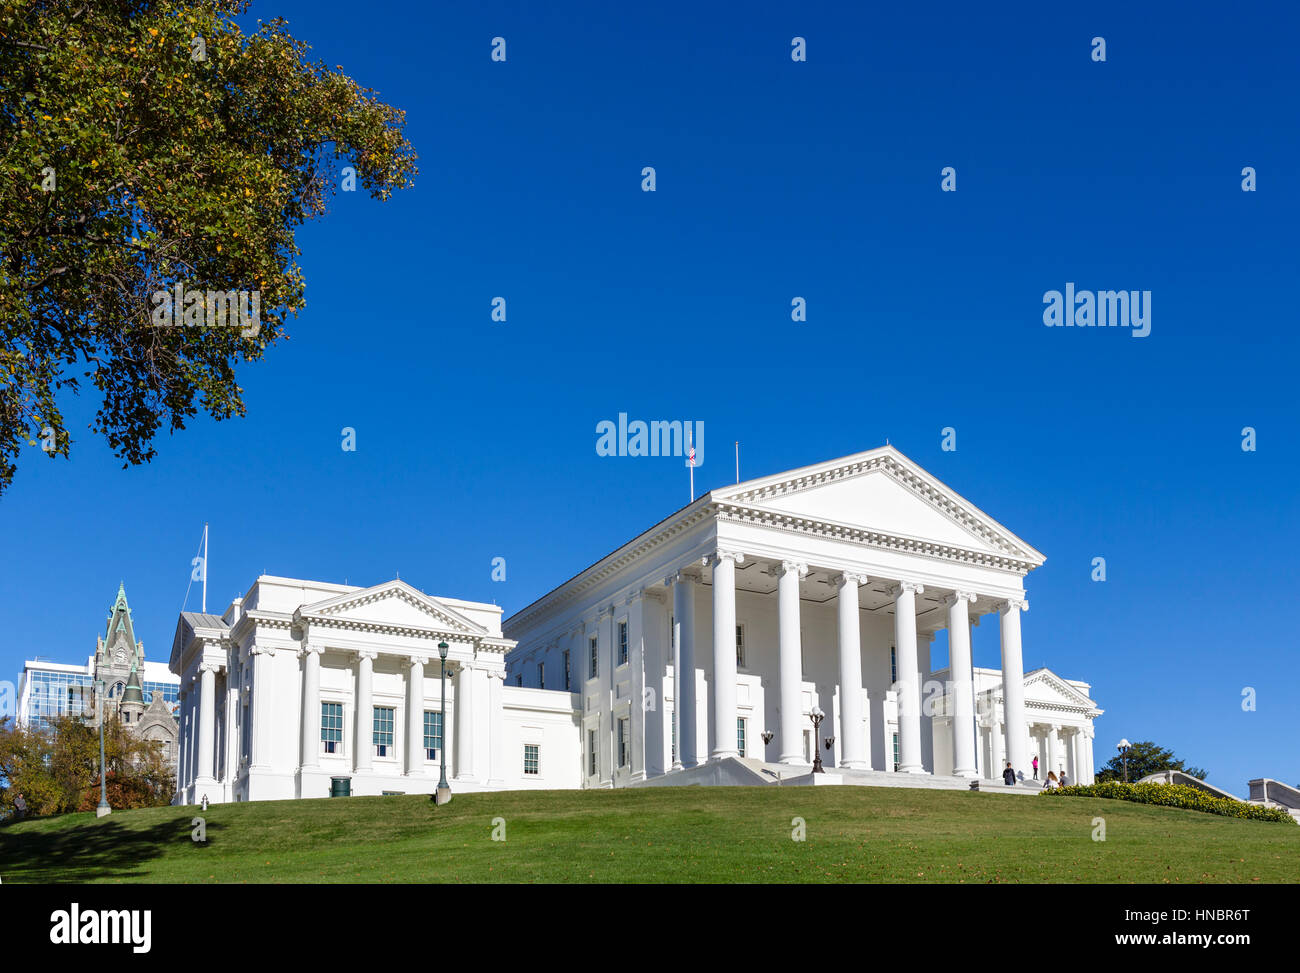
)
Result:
{"points": [[393, 603], [882, 491], [1046, 687]]}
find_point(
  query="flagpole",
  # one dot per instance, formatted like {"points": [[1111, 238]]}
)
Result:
{"points": [[737, 460], [205, 569], [690, 435]]}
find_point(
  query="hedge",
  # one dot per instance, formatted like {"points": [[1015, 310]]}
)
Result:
{"points": [[1174, 795]]}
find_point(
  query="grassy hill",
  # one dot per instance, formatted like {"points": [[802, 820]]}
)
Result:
{"points": [[719, 834]]}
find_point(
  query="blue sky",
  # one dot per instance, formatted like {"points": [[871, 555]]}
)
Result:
{"points": [[775, 179]]}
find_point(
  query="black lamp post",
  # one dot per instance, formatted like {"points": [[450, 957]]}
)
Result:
{"points": [[1123, 752], [817, 717], [443, 794], [104, 807]]}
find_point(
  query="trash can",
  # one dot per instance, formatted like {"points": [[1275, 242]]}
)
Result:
{"points": [[340, 787]]}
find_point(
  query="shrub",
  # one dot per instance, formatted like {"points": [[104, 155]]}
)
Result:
{"points": [[1175, 795]]}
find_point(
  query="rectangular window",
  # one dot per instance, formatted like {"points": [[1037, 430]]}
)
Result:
{"points": [[532, 759], [384, 731], [622, 643], [622, 743], [331, 727], [519, 679], [567, 682], [740, 735], [432, 734], [740, 646], [541, 675], [591, 753], [893, 666], [594, 668], [896, 754], [809, 746]]}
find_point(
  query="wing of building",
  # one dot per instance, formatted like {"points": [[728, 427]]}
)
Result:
{"points": [[802, 606]]}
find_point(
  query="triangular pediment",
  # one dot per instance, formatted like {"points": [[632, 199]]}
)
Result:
{"points": [[1045, 686], [882, 491], [393, 603]]}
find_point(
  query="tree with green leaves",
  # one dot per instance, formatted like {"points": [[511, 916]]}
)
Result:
{"points": [[155, 163], [1145, 758]]}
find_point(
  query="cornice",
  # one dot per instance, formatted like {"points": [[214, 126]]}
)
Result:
{"points": [[738, 513]]}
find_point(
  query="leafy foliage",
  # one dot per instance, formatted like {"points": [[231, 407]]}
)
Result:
{"points": [[1174, 795], [57, 770], [1145, 758], [146, 143]]}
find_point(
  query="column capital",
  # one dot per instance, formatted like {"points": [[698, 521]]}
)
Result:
{"points": [[903, 586], [798, 567], [497, 674], [957, 596], [370, 654], [723, 553], [311, 648], [849, 578], [417, 660], [1020, 604], [213, 667], [259, 648]]}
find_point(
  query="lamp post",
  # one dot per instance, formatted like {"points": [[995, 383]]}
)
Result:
{"points": [[817, 717], [1123, 752], [443, 794], [103, 808]]}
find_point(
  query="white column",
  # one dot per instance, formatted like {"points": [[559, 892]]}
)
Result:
{"points": [[1054, 750], [852, 740], [675, 651], [232, 738], [999, 761], [791, 661], [464, 704], [310, 716], [260, 711], [364, 716], [960, 676], [207, 704], [1013, 688], [497, 729], [684, 688], [909, 691], [724, 653], [1089, 767], [415, 716]]}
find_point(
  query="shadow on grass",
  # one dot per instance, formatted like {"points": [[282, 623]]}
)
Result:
{"points": [[89, 852]]}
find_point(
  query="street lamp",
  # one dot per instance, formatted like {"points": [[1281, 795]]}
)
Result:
{"points": [[817, 717], [443, 794], [103, 808], [1123, 752]]}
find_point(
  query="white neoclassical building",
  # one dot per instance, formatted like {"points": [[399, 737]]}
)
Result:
{"points": [[299, 682], [817, 590]]}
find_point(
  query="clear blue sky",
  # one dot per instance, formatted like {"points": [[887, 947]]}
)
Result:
{"points": [[775, 179]]}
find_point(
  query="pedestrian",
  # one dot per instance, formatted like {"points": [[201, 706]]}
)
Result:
{"points": [[1051, 784], [20, 806], [1035, 766], [1065, 781], [1009, 775]]}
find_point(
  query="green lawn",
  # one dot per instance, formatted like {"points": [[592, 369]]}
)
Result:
{"points": [[670, 834]]}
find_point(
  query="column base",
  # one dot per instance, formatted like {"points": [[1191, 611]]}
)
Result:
{"points": [[795, 760], [966, 773], [856, 765], [723, 754], [918, 769]]}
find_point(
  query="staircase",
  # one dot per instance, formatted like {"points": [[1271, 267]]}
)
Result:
{"points": [[1273, 793]]}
